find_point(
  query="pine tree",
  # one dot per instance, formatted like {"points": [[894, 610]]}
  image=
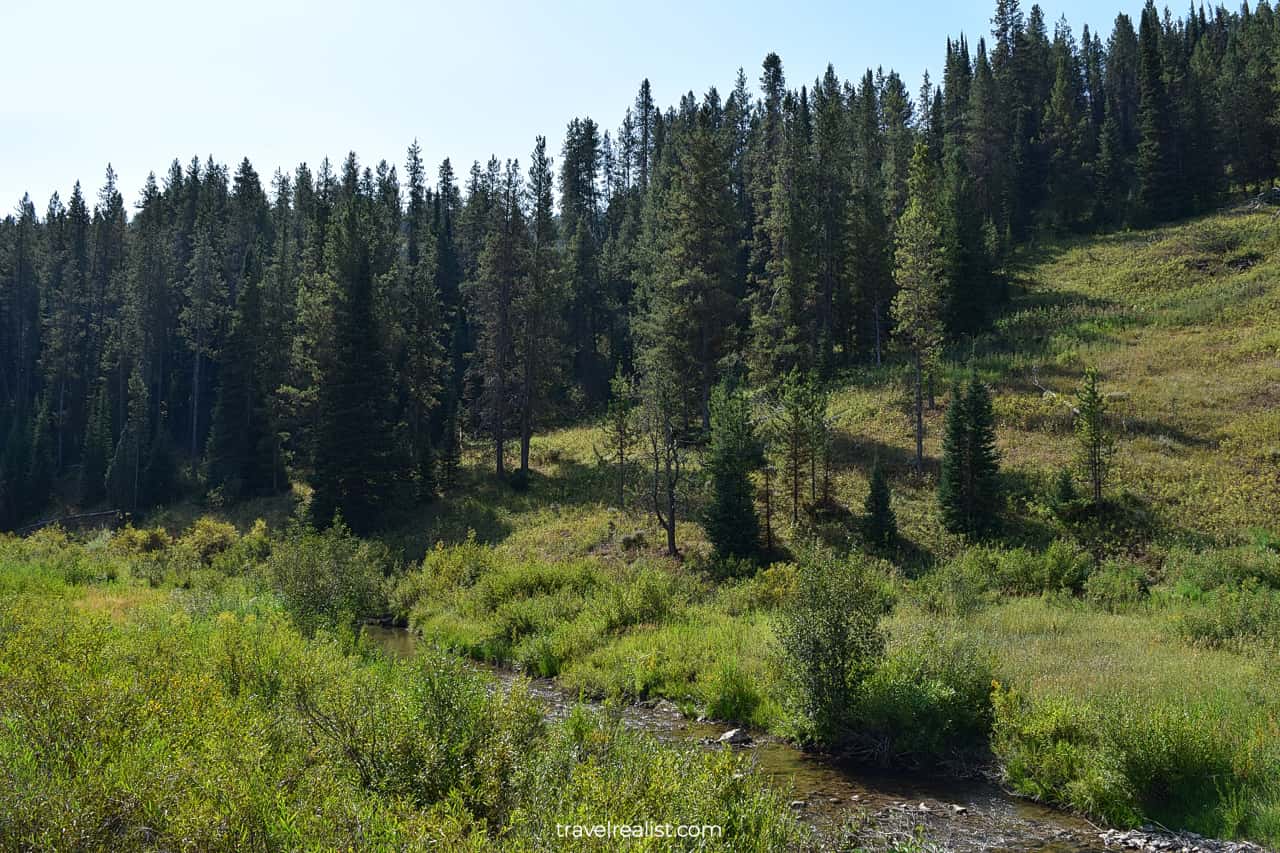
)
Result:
{"points": [[732, 455], [201, 320], [501, 277], [1093, 436], [620, 427], [357, 465], [880, 525], [918, 306], [1065, 129], [537, 305], [243, 459], [450, 451], [96, 456], [1156, 177], [124, 480], [969, 487], [797, 426], [416, 325], [38, 488], [689, 313]]}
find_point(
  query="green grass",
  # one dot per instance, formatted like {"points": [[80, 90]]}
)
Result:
{"points": [[142, 717]]}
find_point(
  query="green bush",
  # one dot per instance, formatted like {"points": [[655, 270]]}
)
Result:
{"points": [[1126, 762], [734, 694], [1202, 571], [329, 577], [235, 732], [1236, 614], [133, 541], [1062, 567], [1116, 586], [961, 586], [930, 697], [830, 639], [207, 538]]}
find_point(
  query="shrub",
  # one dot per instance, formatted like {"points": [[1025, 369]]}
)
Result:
{"points": [[1055, 751], [961, 586], [237, 732], [1201, 571], [830, 638], [208, 538], [1235, 614], [1125, 761], [1062, 567], [734, 696], [1116, 586], [773, 585], [131, 541], [930, 696], [329, 578]]}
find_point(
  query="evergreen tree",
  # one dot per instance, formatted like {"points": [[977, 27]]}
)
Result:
{"points": [[537, 305], [124, 480], [1157, 180], [1093, 436], [880, 525], [416, 324], [969, 487], [1065, 136], [357, 465], [98, 450], [501, 278], [732, 455], [620, 426], [918, 306], [243, 459], [690, 314]]}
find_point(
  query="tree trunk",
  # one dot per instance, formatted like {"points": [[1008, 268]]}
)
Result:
{"points": [[876, 323], [919, 417], [195, 405], [768, 511], [622, 471]]}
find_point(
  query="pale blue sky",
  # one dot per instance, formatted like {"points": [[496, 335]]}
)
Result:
{"points": [[138, 82]]}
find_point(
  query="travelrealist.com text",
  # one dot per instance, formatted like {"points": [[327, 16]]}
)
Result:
{"points": [[648, 829]]}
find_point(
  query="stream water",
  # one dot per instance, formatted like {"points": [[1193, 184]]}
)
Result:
{"points": [[951, 814]]}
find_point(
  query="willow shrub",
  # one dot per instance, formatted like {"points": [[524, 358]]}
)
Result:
{"points": [[236, 732]]}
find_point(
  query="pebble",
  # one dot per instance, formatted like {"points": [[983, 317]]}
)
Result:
{"points": [[1159, 841], [735, 737]]}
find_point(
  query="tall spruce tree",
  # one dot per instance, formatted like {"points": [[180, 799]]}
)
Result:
{"points": [[243, 459], [918, 307], [1157, 180], [880, 525], [500, 280], [357, 464], [537, 307], [969, 488], [733, 453]]}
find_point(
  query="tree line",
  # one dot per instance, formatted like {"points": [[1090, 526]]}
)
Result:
{"points": [[347, 325]]}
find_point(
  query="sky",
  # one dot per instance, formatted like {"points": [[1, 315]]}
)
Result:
{"points": [[137, 83]]}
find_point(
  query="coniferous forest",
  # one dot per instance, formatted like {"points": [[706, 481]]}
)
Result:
{"points": [[344, 323], [927, 426]]}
